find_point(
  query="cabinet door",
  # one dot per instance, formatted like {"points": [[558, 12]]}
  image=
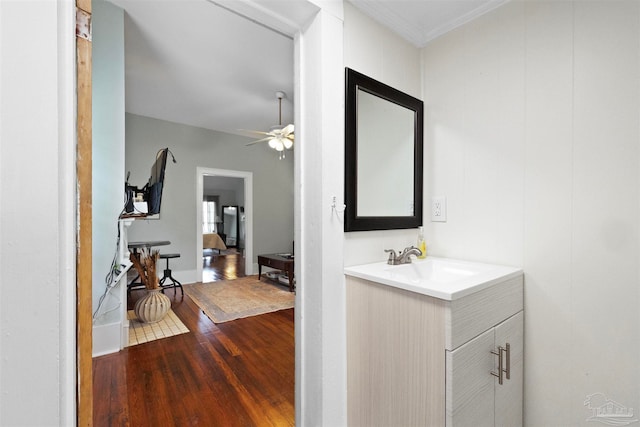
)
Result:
{"points": [[508, 396], [469, 384]]}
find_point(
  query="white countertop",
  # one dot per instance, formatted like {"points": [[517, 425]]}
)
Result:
{"points": [[442, 278]]}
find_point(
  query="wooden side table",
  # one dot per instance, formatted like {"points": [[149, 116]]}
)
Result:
{"points": [[280, 262]]}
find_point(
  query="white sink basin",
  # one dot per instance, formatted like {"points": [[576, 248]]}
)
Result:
{"points": [[442, 278]]}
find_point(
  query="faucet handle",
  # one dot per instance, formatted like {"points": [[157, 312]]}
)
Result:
{"points": [[392, 256], [408, 248]]}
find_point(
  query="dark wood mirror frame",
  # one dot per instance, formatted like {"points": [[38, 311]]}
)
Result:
{"points": [[355, 81]]}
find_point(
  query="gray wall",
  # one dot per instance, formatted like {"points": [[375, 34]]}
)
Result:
{"points": [[196, 147], [229, 189], [108, 144]]}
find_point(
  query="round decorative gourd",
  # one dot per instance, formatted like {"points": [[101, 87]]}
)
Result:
{"points": [[152, 307]]}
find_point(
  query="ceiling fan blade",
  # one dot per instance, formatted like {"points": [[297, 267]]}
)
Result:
{"points": [[259, 140], [256, 132], [287, 130]]}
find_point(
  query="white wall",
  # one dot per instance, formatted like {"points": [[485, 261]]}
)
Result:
{"points": [[37, 228], [319, 314], [532, 133], [379, 53], [273, 226], [107, 146]]}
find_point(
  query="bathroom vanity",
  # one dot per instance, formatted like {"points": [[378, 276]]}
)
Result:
{"points": [[435, 342]]}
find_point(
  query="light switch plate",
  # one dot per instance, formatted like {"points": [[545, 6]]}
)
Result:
{"points": [[439, 209]]}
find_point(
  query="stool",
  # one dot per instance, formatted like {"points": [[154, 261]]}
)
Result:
{"points": [[167, 275]]}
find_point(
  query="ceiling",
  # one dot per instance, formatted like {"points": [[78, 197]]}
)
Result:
{"points": [[198, 63], [420, 21]]}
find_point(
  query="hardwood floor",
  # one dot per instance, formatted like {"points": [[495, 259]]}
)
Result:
{"points": [[226, 266], [239, 373]]}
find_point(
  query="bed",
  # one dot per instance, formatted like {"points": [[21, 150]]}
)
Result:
{"points": [[213, 241]]}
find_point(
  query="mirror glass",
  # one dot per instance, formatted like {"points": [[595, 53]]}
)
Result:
{"points": [[230, 225], [383, 156], [379, 123]]}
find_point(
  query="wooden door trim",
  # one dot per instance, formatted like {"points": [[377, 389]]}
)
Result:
{"points": [[84, 390]]}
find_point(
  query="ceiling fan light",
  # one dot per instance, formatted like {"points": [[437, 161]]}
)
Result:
{"points": [[279, 137]]}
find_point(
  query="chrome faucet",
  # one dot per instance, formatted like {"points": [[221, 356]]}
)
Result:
{"points": [[403, 257]]}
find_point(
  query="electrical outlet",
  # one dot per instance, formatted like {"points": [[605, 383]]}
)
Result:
{"points": [[439, 209]]}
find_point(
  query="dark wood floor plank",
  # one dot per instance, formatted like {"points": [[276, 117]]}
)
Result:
{"points": [[239, 373], [119, 414]]}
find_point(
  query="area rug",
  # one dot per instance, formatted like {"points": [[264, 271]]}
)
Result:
{"points": [[235, 299], [140, 332]]}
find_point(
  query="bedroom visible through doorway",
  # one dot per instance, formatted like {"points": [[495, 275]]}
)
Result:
{"points": [[222, 254], [223, 238]]}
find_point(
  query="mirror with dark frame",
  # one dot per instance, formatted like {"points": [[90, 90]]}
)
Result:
{"points": [[230, 224], [383, 156]]}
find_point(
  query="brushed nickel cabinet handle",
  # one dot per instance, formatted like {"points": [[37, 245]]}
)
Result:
{"points": [[504, 363], [507, 351], [500, 368]]}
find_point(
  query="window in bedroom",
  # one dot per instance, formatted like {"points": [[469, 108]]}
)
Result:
{"points": [[209, 217]]}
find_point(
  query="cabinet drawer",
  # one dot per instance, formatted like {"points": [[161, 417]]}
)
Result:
{"points": [[273, 263], [469, 316]]}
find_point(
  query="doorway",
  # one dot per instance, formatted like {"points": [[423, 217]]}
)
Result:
{"points": [[309, 407], [244, 231]]}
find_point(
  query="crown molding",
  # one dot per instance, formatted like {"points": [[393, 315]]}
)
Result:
{"points": [[383, 12], [458, 22]]}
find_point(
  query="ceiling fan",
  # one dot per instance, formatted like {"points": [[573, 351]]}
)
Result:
{"points": [[279, 138]]}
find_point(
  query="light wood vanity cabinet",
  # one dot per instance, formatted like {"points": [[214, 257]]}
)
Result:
{"points": [[416, 360]]}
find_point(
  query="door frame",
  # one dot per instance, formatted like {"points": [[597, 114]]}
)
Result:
{"points": [[84, 233], [247, 177], [317, 27]]}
